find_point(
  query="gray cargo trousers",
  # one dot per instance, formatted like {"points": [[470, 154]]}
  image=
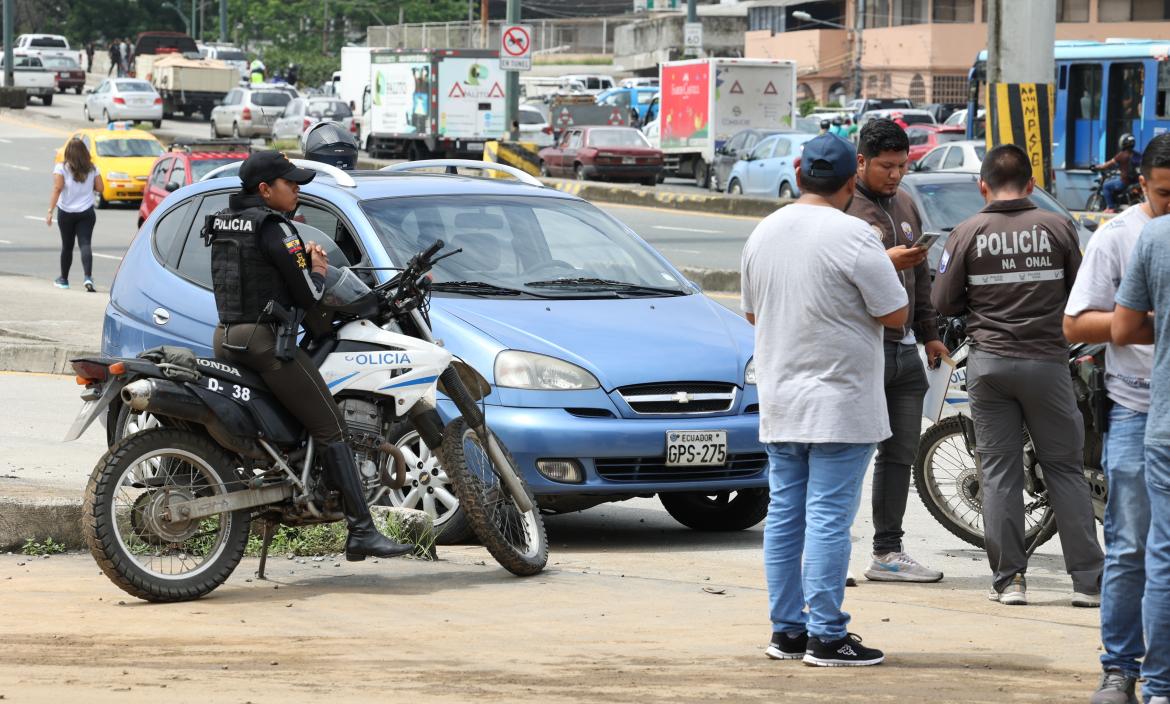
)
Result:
{"points": [[1007, 394]]}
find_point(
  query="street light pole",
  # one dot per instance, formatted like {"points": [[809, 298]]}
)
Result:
{"points": [[858, 45], [9, 77], [223, 37]]}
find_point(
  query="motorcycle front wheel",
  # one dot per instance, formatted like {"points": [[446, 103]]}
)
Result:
{"points": [[515, 538], [1096, 203], [125, 507], [946, 476]]}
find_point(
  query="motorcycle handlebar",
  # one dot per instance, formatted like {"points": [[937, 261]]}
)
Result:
{"points": [[432, 250]]}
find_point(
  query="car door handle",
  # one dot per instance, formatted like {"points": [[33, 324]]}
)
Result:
{"points": [[161, 316]]}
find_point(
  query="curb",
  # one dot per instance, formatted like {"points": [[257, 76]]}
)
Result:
{"points": [[42, 359], [717, 280], [38, 519]]}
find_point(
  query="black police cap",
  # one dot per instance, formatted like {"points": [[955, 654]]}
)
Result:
{"points": [[267, 166]]}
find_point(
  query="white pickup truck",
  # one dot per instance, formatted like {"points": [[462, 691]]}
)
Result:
{"points": [[47, 45], [32, 75]]}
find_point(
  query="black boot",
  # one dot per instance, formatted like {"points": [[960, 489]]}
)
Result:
{"points": [[364, 540]]}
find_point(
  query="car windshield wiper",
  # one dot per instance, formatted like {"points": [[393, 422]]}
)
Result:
{"points": [[476, 288], [594, 284]]}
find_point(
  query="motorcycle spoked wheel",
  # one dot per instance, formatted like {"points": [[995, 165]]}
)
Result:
{"points": [[1096, 203], [143, 554], [946, 477], [517, 540]]}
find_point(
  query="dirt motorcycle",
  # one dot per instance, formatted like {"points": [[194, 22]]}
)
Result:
{"points": [[167, 509], [947, 469], [1130, 195]]}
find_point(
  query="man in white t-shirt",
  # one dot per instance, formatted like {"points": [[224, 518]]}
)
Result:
{"points": [[1088, 316], [819, 288]]}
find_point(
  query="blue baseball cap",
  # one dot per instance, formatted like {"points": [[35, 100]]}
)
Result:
{"points": [[828, 156]]}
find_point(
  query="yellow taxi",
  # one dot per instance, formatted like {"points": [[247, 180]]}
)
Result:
{"points": [[123, 156]]}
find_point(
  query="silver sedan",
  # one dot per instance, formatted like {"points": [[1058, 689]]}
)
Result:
{"points": [[124, 99]]}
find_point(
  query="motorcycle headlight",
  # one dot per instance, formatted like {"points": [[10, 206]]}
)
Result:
{"points": [[118, 176], [749, 374], [528, 370]]}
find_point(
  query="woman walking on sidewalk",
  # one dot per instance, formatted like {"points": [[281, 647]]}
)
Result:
{"points": [[75, 180]]}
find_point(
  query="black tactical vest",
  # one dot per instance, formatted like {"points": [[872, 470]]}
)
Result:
{"points": [[243, 279]]}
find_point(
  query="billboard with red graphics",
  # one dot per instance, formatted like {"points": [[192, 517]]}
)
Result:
{"points": [[686, 103]]}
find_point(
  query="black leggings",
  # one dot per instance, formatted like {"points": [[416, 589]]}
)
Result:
{"points": [[79, 227]]}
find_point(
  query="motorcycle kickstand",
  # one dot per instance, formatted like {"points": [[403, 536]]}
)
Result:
{"points": [[266, 535]]}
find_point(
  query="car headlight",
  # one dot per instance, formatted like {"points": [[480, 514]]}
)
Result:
{"points": [[118, 176], [749, 374], [528, 370]]}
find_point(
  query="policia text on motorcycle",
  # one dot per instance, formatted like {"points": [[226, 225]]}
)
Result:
{"points": [[266, 280], [1009, 268]]}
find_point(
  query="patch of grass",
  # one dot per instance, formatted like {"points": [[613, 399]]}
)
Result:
{"points": [[285, 145], [47, 547], [329, 539]]}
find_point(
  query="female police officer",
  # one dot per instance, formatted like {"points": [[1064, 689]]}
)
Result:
{"points": [[257, 257]]}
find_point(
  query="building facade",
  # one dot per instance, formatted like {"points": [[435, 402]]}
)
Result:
{"points": [[917, 49]]}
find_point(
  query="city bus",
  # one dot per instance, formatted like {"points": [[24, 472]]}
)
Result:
{"points": [[1103, 90]]}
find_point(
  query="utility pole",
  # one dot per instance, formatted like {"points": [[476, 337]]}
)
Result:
{"points": [[512, 86], [858, 45], [325, 28], [483, 24], [1021, 67], [191, 29], [223, 33], [692, 12], [9, 77]]}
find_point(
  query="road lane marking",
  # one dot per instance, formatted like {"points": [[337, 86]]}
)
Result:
{"points": [[18, 167], [5, 242], [107, 256], [726, 296], [38, 218], [686, 229], [685, 251], [5, 141], [678, 211]]}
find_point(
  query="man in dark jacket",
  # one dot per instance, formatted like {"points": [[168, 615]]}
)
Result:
{"points": [[883, 149], [1010, 267]]}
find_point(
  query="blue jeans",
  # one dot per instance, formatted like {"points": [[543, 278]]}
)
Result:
{"points": [[1156, 602], [1127, 520], [1109, 191], [815, 492]]}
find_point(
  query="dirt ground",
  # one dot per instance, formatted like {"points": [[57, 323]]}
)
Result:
{"points": [[462, 629]]}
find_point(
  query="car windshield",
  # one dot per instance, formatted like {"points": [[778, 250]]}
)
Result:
{"points": [[329, 109], [59, 62], [128, 147], [530, 117], [270, 98], [980, 151], [223, 55], [913, 119], [949, 203], [202, 167], [134, 87], [617, 138], [536, 246], [944, 137]]}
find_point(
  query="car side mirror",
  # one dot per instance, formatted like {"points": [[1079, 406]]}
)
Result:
{"points": [[171, 187], [89, 91], [1088, 224]]}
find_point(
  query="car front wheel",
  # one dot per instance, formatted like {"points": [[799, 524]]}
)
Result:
{"points": [[734, 188], [717, 511]]}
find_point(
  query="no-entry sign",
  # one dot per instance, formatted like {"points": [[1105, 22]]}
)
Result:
{"points": [[516, 47]]}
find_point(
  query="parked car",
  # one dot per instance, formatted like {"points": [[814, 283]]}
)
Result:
{"points": [[301, 113], [184, 163], [958, 118], [124, 99], [30, 73], [946, 199], [565, 311], [591, 83], [603, 153], [769, 169], [860, 106], [639, 82], [534, 126], [45, 45], [964, 155], [909, 117], [230, 55], [248, 112], [924, 137], [740, 145], [123, 157], [70, 74]]}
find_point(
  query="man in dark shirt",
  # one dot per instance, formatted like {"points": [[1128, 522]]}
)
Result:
{"points": [[1126, 162], [1010, 267], [883, 149]]}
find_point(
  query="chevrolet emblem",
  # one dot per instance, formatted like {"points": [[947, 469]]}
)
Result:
{"points": [[682, 397]]}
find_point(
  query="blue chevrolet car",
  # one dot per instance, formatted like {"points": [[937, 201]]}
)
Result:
{"points": [[607, 366]]}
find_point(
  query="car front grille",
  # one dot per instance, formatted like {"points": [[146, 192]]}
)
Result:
{"points": [[654, 469], [680, 397]]}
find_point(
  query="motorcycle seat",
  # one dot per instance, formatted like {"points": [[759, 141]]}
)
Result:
{"points": [[231, 372]]}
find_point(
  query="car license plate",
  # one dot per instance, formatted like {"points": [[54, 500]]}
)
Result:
{"points": [[629, 160], [696, 448]]}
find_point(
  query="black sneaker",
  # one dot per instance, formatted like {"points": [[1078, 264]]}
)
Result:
{"points": [[846, 652], [786, 647]]}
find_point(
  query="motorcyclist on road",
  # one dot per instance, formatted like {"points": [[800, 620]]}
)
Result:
{"points": [[259, 268], [1126, 161]]}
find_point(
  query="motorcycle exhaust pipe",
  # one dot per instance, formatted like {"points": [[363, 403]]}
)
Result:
{"points": [[165, 398]]}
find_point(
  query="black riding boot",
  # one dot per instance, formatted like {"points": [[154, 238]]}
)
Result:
{"points": [[364, 540]]}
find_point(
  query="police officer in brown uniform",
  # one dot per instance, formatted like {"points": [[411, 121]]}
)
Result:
{"points": [[1009, 268], [260, 266]]}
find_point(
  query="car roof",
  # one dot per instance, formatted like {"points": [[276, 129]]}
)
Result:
{"points": [[197, 156], [100, 133]]}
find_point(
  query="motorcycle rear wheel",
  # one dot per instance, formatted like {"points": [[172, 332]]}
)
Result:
{"points": [[143, 554], [946, 477], [517, 540]]}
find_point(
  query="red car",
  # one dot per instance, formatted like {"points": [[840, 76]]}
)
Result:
{"points": [[923, 138], [70, 75], [184, 164], [603, 153]]}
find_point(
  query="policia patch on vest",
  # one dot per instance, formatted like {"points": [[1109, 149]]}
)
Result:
{"points": [[294, 245]]}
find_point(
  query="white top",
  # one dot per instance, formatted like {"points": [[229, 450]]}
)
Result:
{"points": [[816, 278], [77, 196], [1127, 368]]}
